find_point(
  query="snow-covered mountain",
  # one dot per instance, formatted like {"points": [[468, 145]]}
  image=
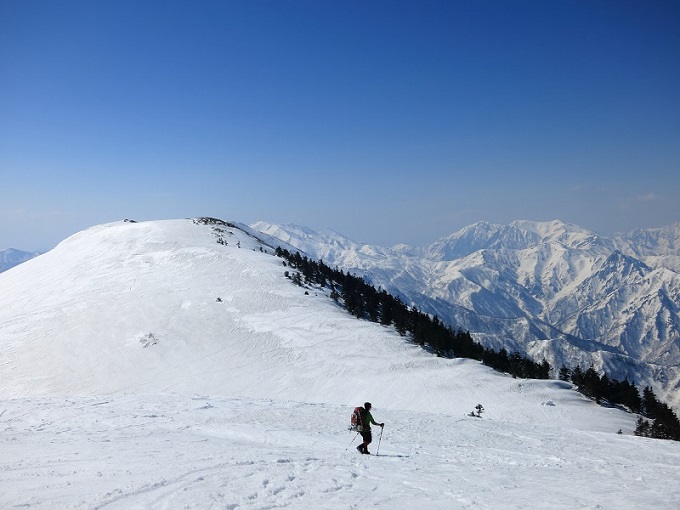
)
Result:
{"points": [[549, 289], [657, 247], [12, 257], [171, 364]]}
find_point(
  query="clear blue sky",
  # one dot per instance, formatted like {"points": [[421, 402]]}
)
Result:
{"points": [[387, 121]]}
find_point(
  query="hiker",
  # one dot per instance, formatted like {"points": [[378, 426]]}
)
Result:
{"points": [[365, 431]]}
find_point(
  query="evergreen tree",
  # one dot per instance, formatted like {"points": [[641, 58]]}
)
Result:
{"points": [[565, 373], [642, 428], [649, 402]]}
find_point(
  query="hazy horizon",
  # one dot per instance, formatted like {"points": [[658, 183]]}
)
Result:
{"points": [[389, 122]]}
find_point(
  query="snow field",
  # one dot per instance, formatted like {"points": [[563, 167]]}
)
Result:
{"points": [[147, 366], [167, 451]]}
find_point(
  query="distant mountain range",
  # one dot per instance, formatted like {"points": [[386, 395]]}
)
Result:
{"points": [[547, 289], [12, 257]]}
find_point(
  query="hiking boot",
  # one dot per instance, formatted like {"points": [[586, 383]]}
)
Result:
{"points": [[360, 448]]}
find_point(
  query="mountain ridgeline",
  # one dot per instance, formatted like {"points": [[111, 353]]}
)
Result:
{"points": [[545, 289]]}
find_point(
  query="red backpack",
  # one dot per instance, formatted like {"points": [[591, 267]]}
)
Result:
{"points": [[357, 420]]}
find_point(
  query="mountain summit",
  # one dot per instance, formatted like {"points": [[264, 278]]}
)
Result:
{"points": [[185, 306]]}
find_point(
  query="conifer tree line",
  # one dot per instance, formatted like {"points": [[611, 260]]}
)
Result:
{"points": [[366, 302], [605, 390]]}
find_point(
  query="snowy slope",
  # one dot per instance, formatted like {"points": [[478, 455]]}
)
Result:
{"points": [[162, 307], [549, 289], [170, 364], [216, 452]]}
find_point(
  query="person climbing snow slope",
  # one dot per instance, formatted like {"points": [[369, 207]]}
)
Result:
{"points": [[366, 434]]}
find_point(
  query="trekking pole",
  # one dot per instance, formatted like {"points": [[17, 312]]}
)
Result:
{"points": [[379, 440], [350, 444]]}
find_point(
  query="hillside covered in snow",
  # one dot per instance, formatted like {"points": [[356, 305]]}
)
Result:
{"points": [[551, 290], [171, 364]]}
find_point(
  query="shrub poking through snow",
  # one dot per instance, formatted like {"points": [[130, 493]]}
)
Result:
{"points": [[478, 414]]}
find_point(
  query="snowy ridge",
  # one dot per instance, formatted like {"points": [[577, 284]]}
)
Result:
{"points": [[549, 289], [170, 364]]}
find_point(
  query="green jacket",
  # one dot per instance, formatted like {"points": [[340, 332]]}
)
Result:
{"points": [[367, 420]]}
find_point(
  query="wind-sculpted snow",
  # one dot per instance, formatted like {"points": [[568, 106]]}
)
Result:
{"points": [[548, 289], [171, 364]]}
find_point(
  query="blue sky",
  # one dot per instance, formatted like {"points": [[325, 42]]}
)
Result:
{"points": [[387, 121]]}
